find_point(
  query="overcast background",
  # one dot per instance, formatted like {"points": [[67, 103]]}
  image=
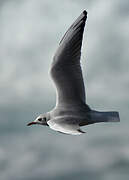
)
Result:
{"points": [[30, 31]]}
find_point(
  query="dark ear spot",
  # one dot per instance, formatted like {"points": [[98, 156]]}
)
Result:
{"points": [[44, 119], [40, 119]]}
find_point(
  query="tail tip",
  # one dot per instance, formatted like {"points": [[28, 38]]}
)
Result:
{"points": [[116, 117]]}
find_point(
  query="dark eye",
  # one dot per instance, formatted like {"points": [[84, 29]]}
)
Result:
{"points": [[40, 119], [44, 118]]}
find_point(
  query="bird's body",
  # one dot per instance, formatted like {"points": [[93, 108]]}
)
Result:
{"points": [[71, 110]]}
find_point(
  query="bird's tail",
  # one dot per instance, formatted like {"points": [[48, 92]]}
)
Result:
{"points": [[111, 116]]}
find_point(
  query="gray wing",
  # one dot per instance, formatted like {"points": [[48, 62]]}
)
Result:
{"points": [[66, 70]]}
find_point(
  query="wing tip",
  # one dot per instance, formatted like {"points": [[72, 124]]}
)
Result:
{"points": [[85, 12], [84, 15]]}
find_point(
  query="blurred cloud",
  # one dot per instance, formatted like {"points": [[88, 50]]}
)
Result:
{"points": [[29, 36], [39, 158]]}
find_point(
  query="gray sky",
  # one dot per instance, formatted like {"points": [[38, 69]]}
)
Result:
{"points": [[29, 35]]}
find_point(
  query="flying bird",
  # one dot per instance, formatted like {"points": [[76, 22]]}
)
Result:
{"points": [[71, 111]]}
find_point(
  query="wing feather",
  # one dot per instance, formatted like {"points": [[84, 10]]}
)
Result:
{"points": [[66, 70]]}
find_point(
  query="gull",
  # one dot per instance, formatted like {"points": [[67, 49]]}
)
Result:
{"points": [[71, 111]]}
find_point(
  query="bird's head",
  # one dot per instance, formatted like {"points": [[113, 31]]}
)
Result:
{"points": [[41, 120]]}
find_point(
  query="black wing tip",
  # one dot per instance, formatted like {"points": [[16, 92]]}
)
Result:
{"points": [[85, 12], [84, 15]]}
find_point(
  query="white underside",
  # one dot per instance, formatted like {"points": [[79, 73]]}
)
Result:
{"points": [[65, 128]]}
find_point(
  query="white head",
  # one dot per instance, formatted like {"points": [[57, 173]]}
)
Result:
{"points": [[41, 120]]}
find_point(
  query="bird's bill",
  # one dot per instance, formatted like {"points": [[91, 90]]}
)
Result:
{"points": [[31, 123]]}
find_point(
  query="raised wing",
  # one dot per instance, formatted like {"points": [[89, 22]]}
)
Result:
{"points": [[66, 70]]}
